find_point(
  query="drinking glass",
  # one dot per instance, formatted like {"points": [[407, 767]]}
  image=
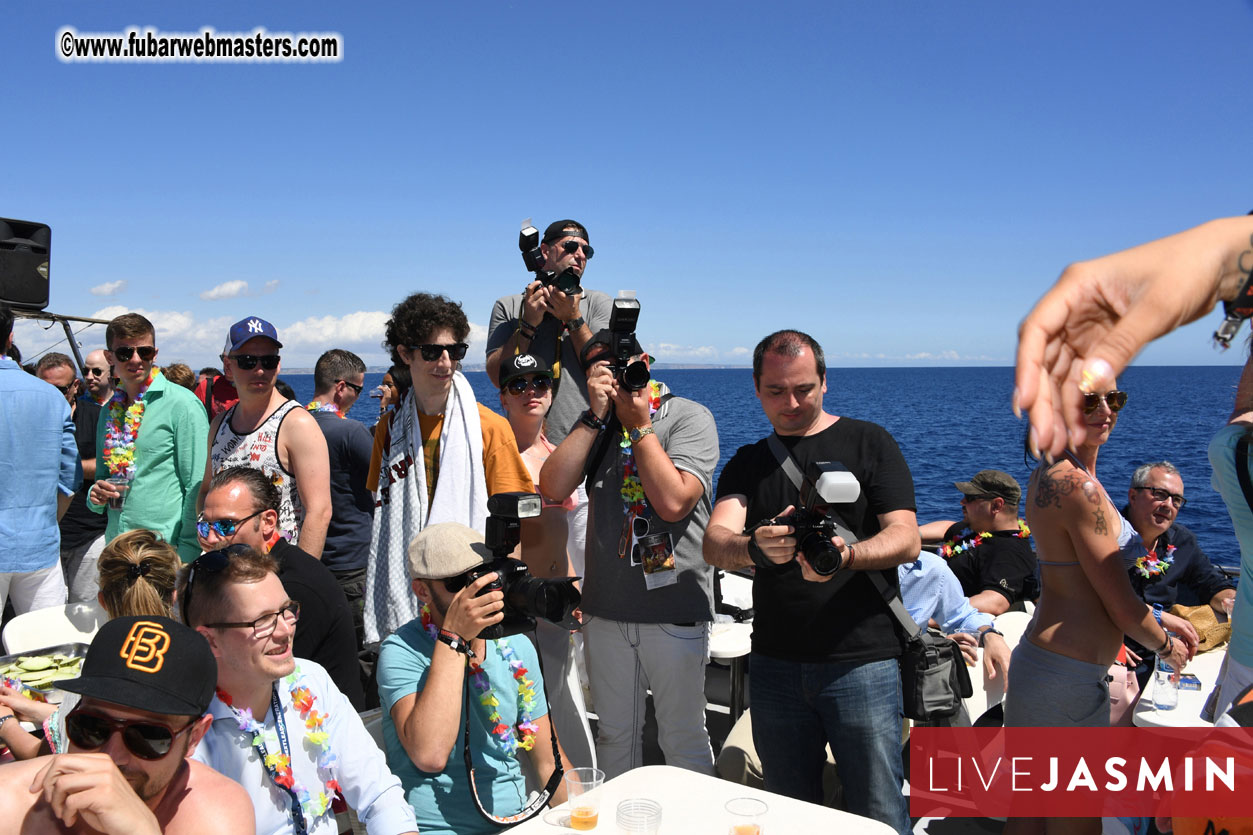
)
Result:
{"points": [[746, 815], [583, 796]]}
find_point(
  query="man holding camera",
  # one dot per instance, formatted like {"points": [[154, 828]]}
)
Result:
{"points": [[650, 458], [423, 670], [825, 646]]}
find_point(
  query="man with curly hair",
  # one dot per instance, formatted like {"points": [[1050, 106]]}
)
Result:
{"points": [[436, 458]]}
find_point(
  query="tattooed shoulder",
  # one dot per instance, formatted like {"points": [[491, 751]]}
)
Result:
{"points": [[1054, 483]]}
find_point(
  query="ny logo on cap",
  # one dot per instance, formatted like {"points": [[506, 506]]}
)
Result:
{"points": [[145, 646], [254, 325]]}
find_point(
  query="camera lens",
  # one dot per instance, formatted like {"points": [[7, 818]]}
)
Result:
{"points": [[823, 557], [635, 376]]}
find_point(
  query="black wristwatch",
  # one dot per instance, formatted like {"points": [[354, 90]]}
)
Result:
{"points": [[992, 630], [589, 419], [575, 323], [455, 642]]}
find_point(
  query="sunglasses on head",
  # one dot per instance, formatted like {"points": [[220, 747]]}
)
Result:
{"points": [[210, 562], [572, 247], [432, 352], [247, 362], [1115, 400], [519, 386], [124, 353], [144, 738], [98, 372], [224, 528]]}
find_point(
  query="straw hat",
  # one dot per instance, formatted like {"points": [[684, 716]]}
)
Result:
{"points": [[1211, 633]]}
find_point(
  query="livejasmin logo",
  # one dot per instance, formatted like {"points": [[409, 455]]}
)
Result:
{"points": [[1023, 774]]}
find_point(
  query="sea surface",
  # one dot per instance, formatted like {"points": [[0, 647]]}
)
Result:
{"points": [[952, 422]]}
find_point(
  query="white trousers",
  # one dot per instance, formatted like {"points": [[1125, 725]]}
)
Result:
{"points": [[82, 575], [31, 590], [624, 660]]}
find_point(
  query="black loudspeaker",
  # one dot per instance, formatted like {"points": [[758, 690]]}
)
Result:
{"points": [[24, 251]]}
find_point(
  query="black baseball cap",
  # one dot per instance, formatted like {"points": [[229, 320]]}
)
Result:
{"points": [[149, 663], [520, 365], [557, 230]]}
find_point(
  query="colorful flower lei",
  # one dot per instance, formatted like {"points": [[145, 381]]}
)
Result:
{"points": [[121, 429], [634, 502], [952, 548], [1150, 565], [278, 764], [319, 406], [509, 742]]}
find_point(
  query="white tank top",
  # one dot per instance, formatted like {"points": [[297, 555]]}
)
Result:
{"points": [[259, 450]]}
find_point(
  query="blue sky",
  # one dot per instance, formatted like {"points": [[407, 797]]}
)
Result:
{"points": [[902, 179]]}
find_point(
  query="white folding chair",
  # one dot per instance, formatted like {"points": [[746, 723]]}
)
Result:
{"points": [[68, 624]]}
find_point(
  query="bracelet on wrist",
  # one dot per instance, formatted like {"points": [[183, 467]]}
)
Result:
{"points": [[1166, 648], [852, 557], [526, 329], [591, 421], [991, 630], [455, 642]]}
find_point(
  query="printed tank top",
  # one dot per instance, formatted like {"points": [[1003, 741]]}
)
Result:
{"points": [[259, 450]]}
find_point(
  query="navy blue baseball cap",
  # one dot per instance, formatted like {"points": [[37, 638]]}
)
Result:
{"points": [[249, 328]]}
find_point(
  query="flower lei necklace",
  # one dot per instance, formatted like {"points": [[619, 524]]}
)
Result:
{"points": [[951, 549], [319, 406], [1150, 565], [279, 765], [634, 503], [121, 428], [509, 742]]}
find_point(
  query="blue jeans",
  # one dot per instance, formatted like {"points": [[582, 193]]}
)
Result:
{"points": [[856, 707]]}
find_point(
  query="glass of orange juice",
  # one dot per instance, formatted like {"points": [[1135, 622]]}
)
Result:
{"points": [[583, 796], [746, 815]]}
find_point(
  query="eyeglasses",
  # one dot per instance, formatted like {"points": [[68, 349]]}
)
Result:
{"points": [[519, 386], [431, 352], [210, 562], [144, 738], [573, 246], [124, 353], [1160, 495], [247, 362], [224, 528], [358, 389], [99, 372], [1115, 400], [264, 626]]}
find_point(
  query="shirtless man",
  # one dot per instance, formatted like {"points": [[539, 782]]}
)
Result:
{"points": [[145, 685]]}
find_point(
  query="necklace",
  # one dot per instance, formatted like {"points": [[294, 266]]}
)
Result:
{"points": [[1150, 565], [279, 765], [319, 406], [634, 502], [952, 548], [121, 429], [508, 741]]}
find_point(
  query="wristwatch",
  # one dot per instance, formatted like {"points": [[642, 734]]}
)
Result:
{"points": [[640, 432], [575, 323], [990, 630], [455, 642]]}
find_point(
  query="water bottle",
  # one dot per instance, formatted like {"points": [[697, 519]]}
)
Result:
{"points": [[1165, 685]]}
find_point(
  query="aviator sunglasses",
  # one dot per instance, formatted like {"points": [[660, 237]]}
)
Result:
{"points": [[224, 528], [520, 386], [125, 352], [432, 352], [573, 247], [247, 362], [144, 738], [1115, 400]]}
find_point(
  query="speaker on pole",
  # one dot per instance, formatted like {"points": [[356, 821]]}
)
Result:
{"points": [[25, 248]]}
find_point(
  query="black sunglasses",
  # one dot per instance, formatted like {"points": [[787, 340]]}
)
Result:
{"points": [[431, 352], [572, 247], [210, 562], [144, 738], [521, 385], [146, 353], [247, 362], [222, 527], [1160, 495], [64, 389], [358, 389], [1115, 400], [98, 372]]}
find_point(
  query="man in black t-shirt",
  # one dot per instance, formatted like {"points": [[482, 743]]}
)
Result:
{"points": [[988, 549], [82, 532], [824, 666]]}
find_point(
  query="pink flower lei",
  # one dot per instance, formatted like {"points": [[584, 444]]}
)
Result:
{"points": [[121, 429]]}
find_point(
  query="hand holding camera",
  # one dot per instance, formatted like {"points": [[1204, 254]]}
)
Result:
{"points": [[775, 538], [535, 303], [470, 612], [601, 387], [632, 406]]}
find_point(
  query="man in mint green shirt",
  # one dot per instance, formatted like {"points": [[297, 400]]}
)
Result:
{"points": [[154, 433]]}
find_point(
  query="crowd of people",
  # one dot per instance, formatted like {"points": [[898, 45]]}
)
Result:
{"points": [[272, 569]]}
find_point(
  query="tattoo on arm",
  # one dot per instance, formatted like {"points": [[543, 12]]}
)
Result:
{"points": [[1051, 487], [1101, 528]]}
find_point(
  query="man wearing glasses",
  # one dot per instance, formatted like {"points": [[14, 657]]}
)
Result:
{"points": [[98, 379], [988, 549], [82, 532], [145, 685], [436, 458], [241, 508], [150, 444], [280, 725], [267, 431]]}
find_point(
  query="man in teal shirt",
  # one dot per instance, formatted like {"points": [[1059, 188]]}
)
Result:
{"points": [[153, 433]]}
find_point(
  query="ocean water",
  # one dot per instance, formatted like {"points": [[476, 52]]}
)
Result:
{"points": [[952, 422]]}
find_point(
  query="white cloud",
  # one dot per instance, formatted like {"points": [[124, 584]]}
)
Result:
{"points": [[226, 290], [109, 288], [927, 355], [740, 352], [270, 286]]}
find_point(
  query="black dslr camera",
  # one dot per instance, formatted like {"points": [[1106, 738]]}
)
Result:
{"points": [[632, 376], [566, 281], [826, 483], [526, 597]]}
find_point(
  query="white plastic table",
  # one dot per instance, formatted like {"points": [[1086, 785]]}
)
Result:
{"points": [[1187, 714], [692, 804], [733, 642]]}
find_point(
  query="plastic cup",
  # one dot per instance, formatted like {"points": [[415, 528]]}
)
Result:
{"points": [[583, 796], [639, 816], [123, 485], [746, 815], [1165, 685]]}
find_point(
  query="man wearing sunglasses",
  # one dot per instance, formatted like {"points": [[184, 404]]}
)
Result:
{"points": [[153, 433], [145, 685], [280, 725], [241, 508], [82, 532], [436, 458], [1164, 561], [98, 379], [988, 548], [267, 431]]}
